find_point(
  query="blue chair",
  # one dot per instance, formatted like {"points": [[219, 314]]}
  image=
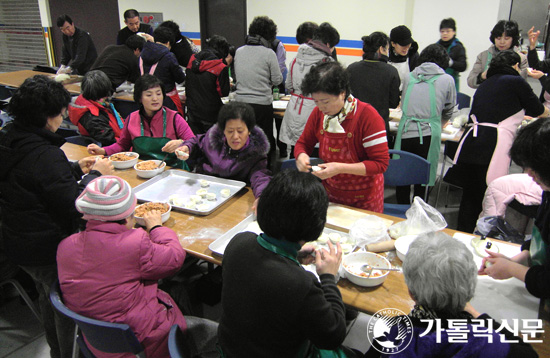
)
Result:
{"points": [[82, 140], [104, 336], [463, 100], [176, 343], [405, 169]]}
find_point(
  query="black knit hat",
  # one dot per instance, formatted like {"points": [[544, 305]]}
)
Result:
{"points": [[448, 24], [401, 35]]}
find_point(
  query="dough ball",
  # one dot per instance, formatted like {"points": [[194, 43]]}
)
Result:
{"points": [[202, 192], [197, 199], [204, 183], [190, 205], [334, 237], [225, 193], [211, 196]]}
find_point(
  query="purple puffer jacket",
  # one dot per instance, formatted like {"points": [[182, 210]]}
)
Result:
{"points": [[214, 157], [109, 272]]}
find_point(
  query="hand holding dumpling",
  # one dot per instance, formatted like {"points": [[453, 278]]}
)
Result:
{"points": [[182, 152]]}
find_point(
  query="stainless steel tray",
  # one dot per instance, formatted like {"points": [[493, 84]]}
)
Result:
{"points": [[249, 224], [185, 184]]}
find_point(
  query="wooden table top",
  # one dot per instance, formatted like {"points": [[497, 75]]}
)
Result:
{"points": [[16, 79]]}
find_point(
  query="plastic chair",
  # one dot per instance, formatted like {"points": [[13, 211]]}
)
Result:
{"points": [[405, 169], [463, 100], [23, 295], [82, 140], [104, 336], [176, 343]]}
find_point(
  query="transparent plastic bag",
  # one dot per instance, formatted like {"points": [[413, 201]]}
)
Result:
{"points": [[421, 218], [369, 230]]}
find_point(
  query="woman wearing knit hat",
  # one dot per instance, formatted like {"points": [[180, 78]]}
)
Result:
{"points": [[110, 271], [403, 51]]}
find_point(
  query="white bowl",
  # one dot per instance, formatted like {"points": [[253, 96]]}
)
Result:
{"points": [[146, 174], [402, 245], [164, 217], [125, 164], [368, 258]]}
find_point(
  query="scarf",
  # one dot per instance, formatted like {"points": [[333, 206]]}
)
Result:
{"points": [[446, 44], [257, 40], [421, 312], [375, 57], [332, 124], [321, 47]]}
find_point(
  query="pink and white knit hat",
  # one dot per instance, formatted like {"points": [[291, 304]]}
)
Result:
{"points": [[107, 198]]}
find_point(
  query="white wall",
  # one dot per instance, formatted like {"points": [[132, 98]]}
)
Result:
{"points": [[183, 12]]}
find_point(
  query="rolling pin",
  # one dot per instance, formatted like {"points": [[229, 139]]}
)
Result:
{"points": [[381, 246]]}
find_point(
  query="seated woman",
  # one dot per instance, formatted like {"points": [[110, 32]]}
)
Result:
{"points": [[39, 186], [279, 308], [153, 130], [352, 140], [504, 36], [499, 107], [373, 80], [441, 277], [234, 148], [92, 113], [110, 271], [532, 266], [428, 102]]}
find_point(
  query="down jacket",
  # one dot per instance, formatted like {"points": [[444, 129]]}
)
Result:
{"points": [[214, 157], [109, 272], [95, 120]]}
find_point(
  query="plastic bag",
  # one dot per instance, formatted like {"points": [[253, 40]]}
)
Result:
{"points": [[498, 228], [421, 218], [368, 230]]}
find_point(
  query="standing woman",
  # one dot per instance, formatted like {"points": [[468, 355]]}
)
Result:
{"points": [[153, 130], [403, 51], [372, 80], [499, 106], [352, 140], [38, 188], [257, 71], [455, 49], [428, 101], [325, 38], [504, 36]]}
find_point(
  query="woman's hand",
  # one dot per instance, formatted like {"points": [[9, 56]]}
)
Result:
{"points": [[471, 310], [485, 260], [328, 170], [172, 145], [152, 218], [536, 74], [255, 207], [484, 75], [533, 37], [182, 152], [104, 166], [95, 149], [328, 261], [305, 255], [87, 163], [302, 162]]}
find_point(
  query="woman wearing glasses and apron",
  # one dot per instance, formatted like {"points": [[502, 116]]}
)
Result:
{"points": [[428, 100], [153, 131]]}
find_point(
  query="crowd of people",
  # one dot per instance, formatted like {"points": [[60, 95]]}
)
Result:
{"points": [[83, 234]]}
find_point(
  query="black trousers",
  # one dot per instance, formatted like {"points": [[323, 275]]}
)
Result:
{"points": [[264, 120], [473, 180], [412, 145]]}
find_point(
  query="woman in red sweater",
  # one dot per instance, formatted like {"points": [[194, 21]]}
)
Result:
{"points": [[352, 140]]}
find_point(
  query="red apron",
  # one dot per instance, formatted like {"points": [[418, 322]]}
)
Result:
{"points": [[365, 192]]}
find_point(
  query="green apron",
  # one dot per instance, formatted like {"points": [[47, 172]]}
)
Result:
{"points": [[537, 249], [434, 121], [151, 147]]}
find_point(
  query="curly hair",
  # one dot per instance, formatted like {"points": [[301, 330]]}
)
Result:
{"points": [[434, 53], [373, 42], [264, 27], [327, 34], [503, 59], [531, 147], [146, 82], [38, 98], [328, 77], [219, 45], [305, 32], [508, 28], [237, 110]]}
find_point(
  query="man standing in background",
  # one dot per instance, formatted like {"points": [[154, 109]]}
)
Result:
{"points": [[133, 26], [78, 53]]}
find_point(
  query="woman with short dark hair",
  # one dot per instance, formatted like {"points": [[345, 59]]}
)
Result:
{"points": [[281, 309], [325, 39], [373, 80], [153, 130], [38, 188], [428, 102], [455, 49], [352, 140], [234, 148], [92, 111], [498, 108], [440, 274], [504, 36]]}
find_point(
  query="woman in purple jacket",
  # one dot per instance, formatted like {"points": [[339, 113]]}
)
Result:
{"points": [[234, 148]]}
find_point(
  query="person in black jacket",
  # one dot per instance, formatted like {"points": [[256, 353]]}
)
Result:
{"points": [[455, 49], [403, 51], [181, 47], [78, 52], [133, 26], [38, 188], [207, 81]]}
